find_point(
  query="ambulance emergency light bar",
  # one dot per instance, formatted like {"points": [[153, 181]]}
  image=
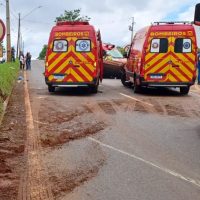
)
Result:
{"points": [[175, 22], [60, 23]]}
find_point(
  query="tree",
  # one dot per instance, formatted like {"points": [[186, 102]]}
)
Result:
{"points": [[43, 53], [72, 15]]}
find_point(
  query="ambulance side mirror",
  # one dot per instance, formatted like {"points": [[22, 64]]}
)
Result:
{"points": [[197, 15]]}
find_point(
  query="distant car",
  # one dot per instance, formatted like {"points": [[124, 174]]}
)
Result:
{"points": [[113, 61]]}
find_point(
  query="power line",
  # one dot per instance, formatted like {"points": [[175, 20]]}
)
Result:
{"points": [[11, 12], [31, 12], [38, 22]]}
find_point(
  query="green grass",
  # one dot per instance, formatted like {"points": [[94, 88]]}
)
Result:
{"points": [[8, 76]]}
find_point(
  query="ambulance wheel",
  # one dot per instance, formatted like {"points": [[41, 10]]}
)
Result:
{"points": [[136, 88], [184, 90], [94, 89], [123, 79], [51, 88]]}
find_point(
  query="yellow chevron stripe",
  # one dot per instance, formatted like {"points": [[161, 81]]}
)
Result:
{"points": [[171, 78], [78, 78], [62, 55], [160, 64], [82, 58], [50, 77], [61, 67], [92, 57], [51, 56], [152, 62], [82, 70], [182, 67], [180, 76]]}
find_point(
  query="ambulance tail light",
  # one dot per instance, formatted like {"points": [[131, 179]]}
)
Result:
{"points": [[47, 64], [197, 15]]}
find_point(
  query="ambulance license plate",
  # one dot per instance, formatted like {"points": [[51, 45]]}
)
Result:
{"points": [[59, 77], [156, 76]]}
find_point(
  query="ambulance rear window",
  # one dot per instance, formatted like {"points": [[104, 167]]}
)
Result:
{"points": [[60, 45], [183, 45], [83, 45], [159, 45]]}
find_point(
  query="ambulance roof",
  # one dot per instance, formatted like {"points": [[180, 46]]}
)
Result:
{"points": [[171, 27], [73, 26]]}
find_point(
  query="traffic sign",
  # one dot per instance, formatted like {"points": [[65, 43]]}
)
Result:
{"points": [[2, 30]]}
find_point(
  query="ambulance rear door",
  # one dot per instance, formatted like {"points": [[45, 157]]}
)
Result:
{"points": [[157, 59], [182, 64]]}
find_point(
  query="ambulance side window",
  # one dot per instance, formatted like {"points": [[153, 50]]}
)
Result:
{"points": [[83, 45], [159, 45], [60, 45], [183, 45]]}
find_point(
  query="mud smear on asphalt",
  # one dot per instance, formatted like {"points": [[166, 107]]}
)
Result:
{"points": [[12, 136], [58, 127], [107, 107], [69, 181], [64, 125], [176, 110], [51, 139], [182, 108]]}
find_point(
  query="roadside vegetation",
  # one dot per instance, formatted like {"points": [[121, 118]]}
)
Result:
{"points": [[8, 75]]}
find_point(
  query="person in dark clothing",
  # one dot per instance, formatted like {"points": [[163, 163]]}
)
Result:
{"points": [[198, 66], [13, 54], [28, 61]]}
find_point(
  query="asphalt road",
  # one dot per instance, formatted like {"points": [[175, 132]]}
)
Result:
{"points": [[114, 145]]}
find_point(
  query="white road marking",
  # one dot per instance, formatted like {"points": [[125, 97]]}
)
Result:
{"points": [[168, 171], [130, 97]]}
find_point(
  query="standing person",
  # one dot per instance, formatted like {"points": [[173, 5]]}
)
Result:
{"points": [[28, 61], [198, 65], [22, 60], [13, 54]]}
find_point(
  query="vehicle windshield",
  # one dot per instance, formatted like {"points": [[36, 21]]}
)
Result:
{"points": [[114, 53]]}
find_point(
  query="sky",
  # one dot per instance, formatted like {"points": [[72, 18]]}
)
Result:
{"points": [[112, 17]]}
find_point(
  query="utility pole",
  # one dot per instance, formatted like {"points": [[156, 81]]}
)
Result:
{"points": [[18, 37], [131, 28], [8, 31]]}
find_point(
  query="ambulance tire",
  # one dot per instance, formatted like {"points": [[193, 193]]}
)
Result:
{"points": [[51, 88], [94, 89], [184, 90], [136, 88]]}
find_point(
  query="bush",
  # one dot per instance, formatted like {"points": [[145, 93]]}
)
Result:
{"points": [[8, 75]]}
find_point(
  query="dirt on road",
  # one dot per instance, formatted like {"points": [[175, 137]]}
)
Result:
{"points": [[12, 136]]}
